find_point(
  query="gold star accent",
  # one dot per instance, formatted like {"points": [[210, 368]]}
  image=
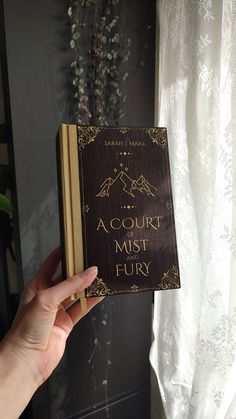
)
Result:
{"points": [[115, 170], [121, 165], [126, 169], [134, 288]]}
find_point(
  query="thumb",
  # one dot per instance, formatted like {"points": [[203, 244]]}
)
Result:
{"points": [[58, 293]]}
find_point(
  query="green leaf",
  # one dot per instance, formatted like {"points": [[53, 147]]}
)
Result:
{"points": [[125, 76], [72, 44], [79, 71], [5, 204], [76, 36]]}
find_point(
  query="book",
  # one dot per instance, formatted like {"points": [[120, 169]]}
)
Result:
{"points": [[116, 208]]}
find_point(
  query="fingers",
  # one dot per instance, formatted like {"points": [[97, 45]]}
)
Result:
{"points": [[67, 319], [75, 312], [55, 295], [69, 302]]}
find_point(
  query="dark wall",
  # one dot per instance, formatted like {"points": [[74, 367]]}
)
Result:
{"points": [[106, 362]]}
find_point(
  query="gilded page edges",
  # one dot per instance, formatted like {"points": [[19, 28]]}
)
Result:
{"points": [[75, 201], [76, 206], [72, 204], [66, 193]]}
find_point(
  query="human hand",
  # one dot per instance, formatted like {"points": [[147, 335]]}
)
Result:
{"points": [[37, 338]]}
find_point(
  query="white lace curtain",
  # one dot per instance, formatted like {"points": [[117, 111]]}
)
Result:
{"points": [[194, 351]]}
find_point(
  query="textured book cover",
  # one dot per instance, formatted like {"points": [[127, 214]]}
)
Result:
{"points": [[117, 209]]}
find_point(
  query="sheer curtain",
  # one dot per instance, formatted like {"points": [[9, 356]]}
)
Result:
{"points": [[194, 348]]}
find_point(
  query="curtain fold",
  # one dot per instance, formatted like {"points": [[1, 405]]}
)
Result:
{"points": [[194, 348]]}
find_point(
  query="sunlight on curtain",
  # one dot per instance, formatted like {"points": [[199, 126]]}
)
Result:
{"points": [[194, 351]]}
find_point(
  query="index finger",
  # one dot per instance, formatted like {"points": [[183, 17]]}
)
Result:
{"points": [[54, 296]]}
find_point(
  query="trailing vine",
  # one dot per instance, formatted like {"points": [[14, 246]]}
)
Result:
{"points": [[98, 72]]}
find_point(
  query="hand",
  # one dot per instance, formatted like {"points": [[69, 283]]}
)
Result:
{"points": [[36, 341]]}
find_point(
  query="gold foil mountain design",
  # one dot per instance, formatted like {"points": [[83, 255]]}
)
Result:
{"points": [[128, 185]]}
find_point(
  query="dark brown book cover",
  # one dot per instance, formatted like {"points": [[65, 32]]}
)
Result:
{"points": [[117, 209]]}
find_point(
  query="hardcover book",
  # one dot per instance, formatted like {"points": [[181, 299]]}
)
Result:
{"points": [[117, 209]]}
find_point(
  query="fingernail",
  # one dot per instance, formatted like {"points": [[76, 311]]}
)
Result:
{"points": [[93, 270]]}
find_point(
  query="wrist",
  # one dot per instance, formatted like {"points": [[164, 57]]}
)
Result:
{"points": [[18, 381], [20, 360]]}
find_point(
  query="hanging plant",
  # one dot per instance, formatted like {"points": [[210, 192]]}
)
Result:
{"points": [[98, 73], [5, 204]]}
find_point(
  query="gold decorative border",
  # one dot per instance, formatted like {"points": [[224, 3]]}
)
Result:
{"points": [[123, 130], [86, 135], [169, 205], [98, 288], [85, 208], [158, 136], [170, 279], [135, 288]]}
